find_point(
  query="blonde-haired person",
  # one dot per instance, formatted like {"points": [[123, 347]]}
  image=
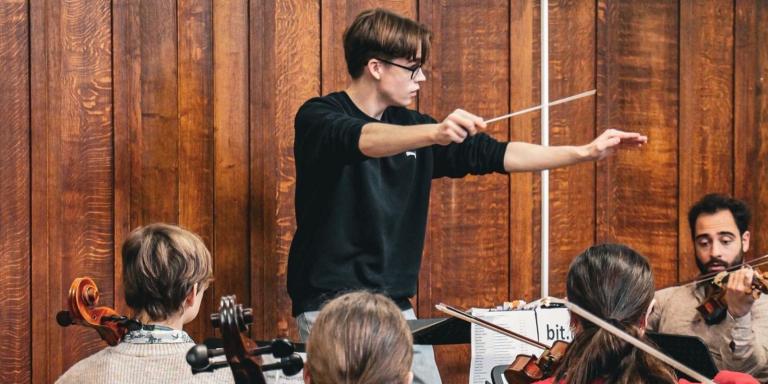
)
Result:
{"points": [[359, 338], [365, 164], [166, 270]]}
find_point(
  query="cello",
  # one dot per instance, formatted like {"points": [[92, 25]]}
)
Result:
{"points": [[243, 355], [82, 310]]}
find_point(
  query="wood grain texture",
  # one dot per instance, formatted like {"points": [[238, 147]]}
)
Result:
{"points": [[525, 195], [196, 138], [286, 75], [126, 69], [15, 215], [468, 234], [636, 192], [706, 107], [75, 174], [231, 169], [571, 189], [155, 140], [750, 143]]}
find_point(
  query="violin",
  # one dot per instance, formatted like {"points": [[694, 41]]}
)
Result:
{"points": [[243, 355], [524, 369], [82, 310], [714, 307]]}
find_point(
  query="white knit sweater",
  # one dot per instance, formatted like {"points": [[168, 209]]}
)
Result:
{"points": [[141, 364]]}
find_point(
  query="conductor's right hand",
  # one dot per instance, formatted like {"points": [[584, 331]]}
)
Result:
{"points": [[457, 126]]}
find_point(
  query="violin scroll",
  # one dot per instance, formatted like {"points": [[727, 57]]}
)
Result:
{"points": [[82, 310]]}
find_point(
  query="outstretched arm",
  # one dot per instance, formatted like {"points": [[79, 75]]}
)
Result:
{"points": [[381, 140], [522, 157]]}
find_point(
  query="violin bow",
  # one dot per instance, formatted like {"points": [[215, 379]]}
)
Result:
{"points": [[632, 340], [760, 261], [457, 313], [536, 108]]}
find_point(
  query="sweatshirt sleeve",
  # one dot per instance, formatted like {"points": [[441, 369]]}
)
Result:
{"points": [[746, 349], [325, 133], [478, 155]]}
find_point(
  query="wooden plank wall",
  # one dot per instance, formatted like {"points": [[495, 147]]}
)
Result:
{"points": [[120, 113]]}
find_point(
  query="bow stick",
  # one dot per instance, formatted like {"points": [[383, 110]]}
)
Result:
{"points": [[536, 108]]}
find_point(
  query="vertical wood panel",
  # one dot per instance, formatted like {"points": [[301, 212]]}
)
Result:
{"points": [[126, 69], [155, 141], [15, 194], [74, 173], [750, 143], [468, 234], [285, 73], [230, 103], [706, 96], [525, 201], [572, 189], [638, 91], [195, 98]]}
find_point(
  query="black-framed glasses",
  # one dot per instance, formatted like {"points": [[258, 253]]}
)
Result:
{"points": [[414, 69]]}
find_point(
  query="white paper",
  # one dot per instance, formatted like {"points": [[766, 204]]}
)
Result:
{"points": [[490, 348]]}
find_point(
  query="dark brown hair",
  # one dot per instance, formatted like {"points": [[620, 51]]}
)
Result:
{"points": [[161, 265], [378, 33], [360, 338], [615, 283]]}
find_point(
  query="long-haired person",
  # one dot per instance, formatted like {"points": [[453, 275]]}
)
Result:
{"points": [[359, 338], [615, 282], [166, 270]]}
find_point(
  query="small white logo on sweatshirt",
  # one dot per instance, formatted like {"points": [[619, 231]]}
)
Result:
{"points": [[410, 153]]}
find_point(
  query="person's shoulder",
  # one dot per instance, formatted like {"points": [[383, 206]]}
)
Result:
{"points": [[85, 370], [407, 116], [669, 293], [333, 100]]}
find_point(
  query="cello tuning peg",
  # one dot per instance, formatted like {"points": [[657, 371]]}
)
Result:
{"points": [[64, 318]]}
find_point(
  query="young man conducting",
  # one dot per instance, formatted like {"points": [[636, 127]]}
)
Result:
{"points": [[365, 164]]}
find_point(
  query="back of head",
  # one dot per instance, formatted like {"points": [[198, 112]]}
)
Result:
{"points": [[615, 283], [358, 338], [378, 33], [162, 263], [713, 203]]}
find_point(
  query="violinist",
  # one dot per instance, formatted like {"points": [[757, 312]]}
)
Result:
{"points": [[365, 164], [166, 270], [739, 340], [358, 338], [615, 283]]}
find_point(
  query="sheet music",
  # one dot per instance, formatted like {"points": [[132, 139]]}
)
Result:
{"points": [[490, 348], [277, 376]]}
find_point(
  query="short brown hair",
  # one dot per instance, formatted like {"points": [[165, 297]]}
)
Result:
{"points": [[379, 33], [360, 337], [161, 265]]}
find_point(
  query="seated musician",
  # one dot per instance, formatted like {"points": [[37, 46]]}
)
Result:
{"points": [[166, 270], [615, 283], [359, 338], [739, 340]]}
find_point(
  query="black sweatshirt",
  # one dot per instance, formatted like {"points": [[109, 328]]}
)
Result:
{"points": [[361, 221]]}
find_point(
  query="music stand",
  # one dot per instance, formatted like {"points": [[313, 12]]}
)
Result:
{"points": [[689, 350]]}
